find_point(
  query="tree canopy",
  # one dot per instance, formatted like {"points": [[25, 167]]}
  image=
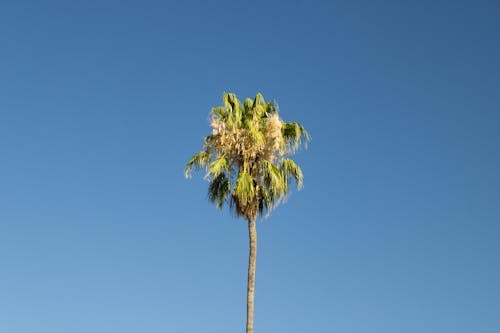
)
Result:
{"points": [[247, 155]]}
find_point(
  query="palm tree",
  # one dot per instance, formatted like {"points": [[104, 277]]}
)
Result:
{"points": [[246, 158]]}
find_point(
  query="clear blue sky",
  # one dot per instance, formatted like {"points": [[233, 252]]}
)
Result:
{"points": [[396, 230]]}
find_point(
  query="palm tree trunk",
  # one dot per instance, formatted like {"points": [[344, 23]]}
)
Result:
{"points": [[252, 259]]}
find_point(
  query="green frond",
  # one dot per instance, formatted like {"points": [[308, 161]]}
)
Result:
{"points": [[232, 103], [244, 189], [218, 166], [220, 112], [274, 180], [249, 110], [266, 201], [254, 132], [291, 169], [258, 100], [219, 189], [248, 104], [198, 161], [294, 134], [259, 111], [271, 108], [227, 99]]}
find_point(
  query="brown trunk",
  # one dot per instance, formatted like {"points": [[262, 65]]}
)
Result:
{"points": [[252, 258]]}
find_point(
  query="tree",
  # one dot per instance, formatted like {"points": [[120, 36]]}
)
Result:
{"points": [[248, 166]]}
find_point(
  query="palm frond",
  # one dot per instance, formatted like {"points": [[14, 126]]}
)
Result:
{"points": [[244, 190], [272, 108], [294, 134], [266, 201], [274, 180], [198, 161], [258, 100], [218, 166], [291, 169], [248, 106], [220, 112], [219, 189], [233, 104], [254, 132]]}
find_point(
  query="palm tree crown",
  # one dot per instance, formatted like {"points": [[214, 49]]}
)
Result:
{"points": [[247, 155]]}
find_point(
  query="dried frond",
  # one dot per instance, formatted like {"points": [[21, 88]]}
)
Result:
{"points": [[273, 137]]}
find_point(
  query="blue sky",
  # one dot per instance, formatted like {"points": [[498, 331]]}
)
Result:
{"points": [[396, 230]]}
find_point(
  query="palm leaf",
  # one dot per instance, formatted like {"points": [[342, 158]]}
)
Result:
{"points": [[294, 134], [218, 166], [291, 169], [274, 180], [219, 189], [244, 190], [198, 161]]}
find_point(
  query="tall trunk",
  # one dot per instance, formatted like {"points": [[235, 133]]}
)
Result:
{"points": [[252, 258]]}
